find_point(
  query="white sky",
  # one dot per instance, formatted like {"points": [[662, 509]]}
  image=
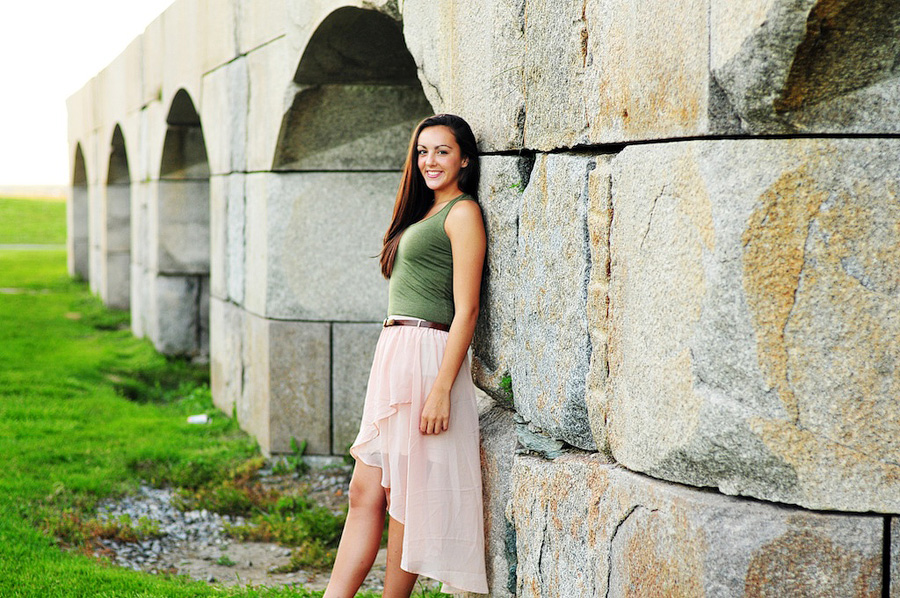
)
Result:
{"points": [[48, 50]]}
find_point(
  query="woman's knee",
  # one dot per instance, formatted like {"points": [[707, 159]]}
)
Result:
{"points": [[366, 491]]}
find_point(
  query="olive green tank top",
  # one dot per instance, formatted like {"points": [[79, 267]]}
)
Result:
{"points": [[421, 284]]}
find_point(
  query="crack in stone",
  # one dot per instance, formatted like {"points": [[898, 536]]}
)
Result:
{"points": [[612, 538], [652, 211]]}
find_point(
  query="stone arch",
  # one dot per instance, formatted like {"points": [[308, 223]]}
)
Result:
{"points": [[116, 289], [78, 215], [358, 97], [341, 146], [182, 242]]}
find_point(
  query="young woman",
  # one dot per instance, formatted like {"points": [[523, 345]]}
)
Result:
{"points": [[417, 452]]}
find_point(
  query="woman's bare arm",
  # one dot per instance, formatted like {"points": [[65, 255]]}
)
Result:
{"points": [[465, 228]]}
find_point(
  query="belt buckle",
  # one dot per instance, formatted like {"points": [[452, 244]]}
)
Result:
{"points": [[389, 322]]}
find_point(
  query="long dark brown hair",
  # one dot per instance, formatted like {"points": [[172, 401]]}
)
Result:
{"points": [[414, 198]]}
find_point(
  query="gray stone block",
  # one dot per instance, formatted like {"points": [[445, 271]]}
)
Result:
{"points": [[599, 219], [321, 262], [503, 180], [299, 386], [118, 218], [353, 346], [895, 557], [806, 66], [235, 246], [174, 314], [225, 359], [227, 222], [183, 226], [116, 292], [586, 527], [253, 408], [498, 443], [754, 312], [470, 60], [552, 346], [350, 127], [226, 92]]}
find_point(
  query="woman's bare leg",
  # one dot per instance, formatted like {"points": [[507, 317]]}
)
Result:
{"points": [[397, 582], [362, 532]]}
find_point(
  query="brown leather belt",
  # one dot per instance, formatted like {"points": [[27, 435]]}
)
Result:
{"points": [[417, 324]]}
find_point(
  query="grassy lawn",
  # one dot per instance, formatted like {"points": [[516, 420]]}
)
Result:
{"points": [[87, 412], [40, 221], [69, 438]]}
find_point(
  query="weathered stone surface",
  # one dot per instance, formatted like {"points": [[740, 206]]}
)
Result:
{"points": [[174, 313], [585, 527], [754, 312], [350, 127], [808, 66], [226, 92], [299, 386], [552, 347], [353, 348], [286, 384], [226, 363], [116, 290], [470, 60], [318, 244], [253, 409], [599, 219], [227, 216], [615, 70], [270, 68], [218, 236], [77, 240], [503, 180], [182, 213], [498, 443], [235, 238], [895, 557]]}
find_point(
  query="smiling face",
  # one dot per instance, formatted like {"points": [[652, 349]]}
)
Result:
{"points": [[440, 160]]}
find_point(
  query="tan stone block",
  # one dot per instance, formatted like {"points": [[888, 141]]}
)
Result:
{"points": [[586, 527], [753, 310]]}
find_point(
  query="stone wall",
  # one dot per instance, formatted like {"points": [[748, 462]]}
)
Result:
{"points": [[691, 299]]}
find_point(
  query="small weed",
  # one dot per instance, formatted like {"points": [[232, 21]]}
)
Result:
{"points": [[293, 463], [225, 561], [506, 388], [517, 187]]}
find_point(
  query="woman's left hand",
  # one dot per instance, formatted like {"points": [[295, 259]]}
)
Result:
{"points": [[435, 413]]}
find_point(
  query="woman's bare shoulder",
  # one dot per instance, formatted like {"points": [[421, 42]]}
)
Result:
{"points": [[465, 212]]}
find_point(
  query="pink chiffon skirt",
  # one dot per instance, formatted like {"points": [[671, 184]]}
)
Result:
{"points": [[434, 480]]}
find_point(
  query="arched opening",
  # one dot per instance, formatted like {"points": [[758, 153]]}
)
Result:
{"points": [[359, 97], [341, 146], [116, 289], [77, 214], [181, 244]]}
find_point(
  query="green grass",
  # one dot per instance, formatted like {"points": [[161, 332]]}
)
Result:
{"points": [[87, 412], [40, 221]]}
